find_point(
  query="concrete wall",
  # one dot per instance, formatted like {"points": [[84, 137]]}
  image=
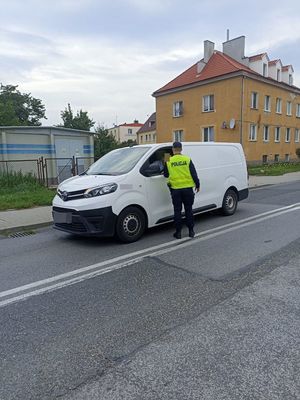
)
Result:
{"points": [[19, 145]]}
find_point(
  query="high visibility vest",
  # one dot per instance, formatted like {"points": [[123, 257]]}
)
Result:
{"points": [[179, 172]]}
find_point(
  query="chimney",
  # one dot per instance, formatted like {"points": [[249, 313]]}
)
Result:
{"points": [[235, 48], [208, 50]]}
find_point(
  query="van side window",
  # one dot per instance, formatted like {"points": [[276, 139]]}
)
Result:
{"points": [[155, 164]]}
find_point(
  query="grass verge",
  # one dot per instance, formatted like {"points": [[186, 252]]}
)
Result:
{"points": [[19, 191], [274, 169]]}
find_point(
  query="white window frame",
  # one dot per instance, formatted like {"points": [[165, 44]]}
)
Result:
{"points": [[297, 135], [129, 131], [208, 103], [276, 158], [278, 105], [278, 75], [265, 157], [277, 134], [290, 79], [254, 100], [265, 69], [178, 135], [253, 130], [289, 108], [267, 106], [287, 135], [286, 157], [266, 133], [178, 109], [210, 132], [298, 110]]}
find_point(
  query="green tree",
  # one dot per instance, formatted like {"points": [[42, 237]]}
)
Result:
{"points": [[18, 108], [80, 121], [103, 142]]}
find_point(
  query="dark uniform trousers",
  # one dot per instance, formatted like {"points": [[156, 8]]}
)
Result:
{"points": [[186, 197]]}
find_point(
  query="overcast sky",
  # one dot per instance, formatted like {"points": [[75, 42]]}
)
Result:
{"points": [[108, 56]]}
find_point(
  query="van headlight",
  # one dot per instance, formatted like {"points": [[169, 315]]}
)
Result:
{"points": [[101, 190]]}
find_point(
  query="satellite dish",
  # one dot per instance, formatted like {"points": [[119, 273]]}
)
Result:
{"points": [[232, 123]]}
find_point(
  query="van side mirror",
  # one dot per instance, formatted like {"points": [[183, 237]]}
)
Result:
{"points": [[152, 169]]}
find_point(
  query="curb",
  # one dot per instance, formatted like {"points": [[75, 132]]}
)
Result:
{"points": [[7, 231]]}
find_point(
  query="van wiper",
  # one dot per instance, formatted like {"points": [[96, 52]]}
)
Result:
{"points": [[102, 173]]}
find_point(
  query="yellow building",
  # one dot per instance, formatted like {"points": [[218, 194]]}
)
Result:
{"points": [[227, 97]]}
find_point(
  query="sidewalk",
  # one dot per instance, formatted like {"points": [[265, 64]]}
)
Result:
{"points": [[37, 217]]}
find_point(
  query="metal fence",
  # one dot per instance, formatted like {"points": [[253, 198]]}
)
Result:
{"points": [[48, 171]]}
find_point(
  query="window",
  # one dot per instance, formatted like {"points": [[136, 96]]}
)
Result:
{"points": [[286, 157], [254, 100], [277, 134], [265, 69], [298, 110], [267, 103], [146, 138], [276, 158], [278, 74], [253, 132], [288, 135], [208, 103], [208, 134], [278, 105], [290, 79], [265, 159], [129, 131], [288, 108], [266, 133], [177, 109], [178, 136], [297, 135]]}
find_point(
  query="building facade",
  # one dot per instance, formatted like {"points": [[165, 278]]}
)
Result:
{"points": [[227, 97], [125, 132], [147, 133]]}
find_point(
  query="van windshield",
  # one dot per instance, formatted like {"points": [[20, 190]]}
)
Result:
{"points": [[117, 162]]}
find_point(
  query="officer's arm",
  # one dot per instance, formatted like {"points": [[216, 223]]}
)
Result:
{"points": [[194, 175], [166, 171]]}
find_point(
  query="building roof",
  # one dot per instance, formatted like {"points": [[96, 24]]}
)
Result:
{"points": [[136, 124], [44, 128], [287, 67], [219, 64], [274, 62], [257, 57], [149, 125]]}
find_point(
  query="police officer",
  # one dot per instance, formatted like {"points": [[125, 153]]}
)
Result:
{"points": [[182, 179]]}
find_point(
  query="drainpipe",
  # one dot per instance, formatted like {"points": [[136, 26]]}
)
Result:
{"points": [[242, 110]]}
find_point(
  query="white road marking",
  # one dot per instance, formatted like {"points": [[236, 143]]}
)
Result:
{"points": [[97, 269]]}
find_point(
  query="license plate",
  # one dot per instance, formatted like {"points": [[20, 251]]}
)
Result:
{"points": [[62, 218]]}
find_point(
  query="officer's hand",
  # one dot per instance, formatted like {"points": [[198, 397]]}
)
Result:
{"points": [[197, 190]]}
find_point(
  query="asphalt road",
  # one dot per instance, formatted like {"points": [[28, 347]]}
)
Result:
{"points": [[214, 317]]}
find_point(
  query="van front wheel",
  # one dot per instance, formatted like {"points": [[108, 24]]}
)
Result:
{"points": [[131, 225], [230, 201]]}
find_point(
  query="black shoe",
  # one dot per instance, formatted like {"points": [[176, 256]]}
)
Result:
{"points": [[177, 235], [191, 233]]}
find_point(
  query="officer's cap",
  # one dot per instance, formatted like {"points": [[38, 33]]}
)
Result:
{"points": [[177, 145]]}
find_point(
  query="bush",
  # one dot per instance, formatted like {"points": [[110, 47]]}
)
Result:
{"points": [[298, 152]]}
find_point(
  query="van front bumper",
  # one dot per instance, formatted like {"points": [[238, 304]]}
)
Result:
{"points": [[98, 222]]}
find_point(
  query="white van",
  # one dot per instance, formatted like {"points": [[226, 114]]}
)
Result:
{"points": [[125, 192]]}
